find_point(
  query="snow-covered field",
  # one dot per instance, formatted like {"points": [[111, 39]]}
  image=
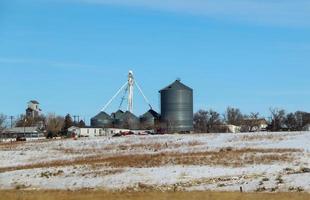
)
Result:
{"points": [[218, 162]]}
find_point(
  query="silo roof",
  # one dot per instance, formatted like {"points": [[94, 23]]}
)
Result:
{"points": [[129, 115], [118, 114], [151, 112], [102, 115], [176, 85], [34, 102]]}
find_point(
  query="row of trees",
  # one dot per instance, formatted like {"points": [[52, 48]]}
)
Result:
{"points": [[55, 125], [3, 124], [209, 120], [290, 121], [204, 121]]}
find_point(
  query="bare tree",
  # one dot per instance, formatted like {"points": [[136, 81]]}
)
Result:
{"points": [[277, 119], [302, 118], [291, 122], [205, 121], [54, 124], [3, 124], [233, 116], [200, 121], [24, 121]]}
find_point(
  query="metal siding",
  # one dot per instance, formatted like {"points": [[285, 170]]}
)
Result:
{"points": [[177, 108], [102, 120]]}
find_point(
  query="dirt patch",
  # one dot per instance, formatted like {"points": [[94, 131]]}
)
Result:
{"points": [[224, 157], [99, 195]]}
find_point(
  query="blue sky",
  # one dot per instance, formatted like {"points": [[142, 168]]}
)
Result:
{"points": [[72, 55]]}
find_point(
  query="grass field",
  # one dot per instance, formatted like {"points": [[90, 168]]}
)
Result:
{"points": [[100, 195], [258, 162]]}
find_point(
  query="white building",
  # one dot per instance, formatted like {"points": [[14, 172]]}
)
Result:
{"points": [[95, 132], [254, 125], [113, 131], [86, 132]]}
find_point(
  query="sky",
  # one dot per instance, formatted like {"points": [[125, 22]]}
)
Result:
{"points": [[73, 55]]}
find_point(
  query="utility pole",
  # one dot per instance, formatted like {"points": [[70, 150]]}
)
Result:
{"points": [[11, 118], [74, 117]]}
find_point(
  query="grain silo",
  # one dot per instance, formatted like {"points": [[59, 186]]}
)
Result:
{"points": [[149, 119], [102, 120], [129, 121], [177, 108], [116, 117]]}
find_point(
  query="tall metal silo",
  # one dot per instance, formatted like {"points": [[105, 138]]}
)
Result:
{"points": [[177, 107], [102, 120]]}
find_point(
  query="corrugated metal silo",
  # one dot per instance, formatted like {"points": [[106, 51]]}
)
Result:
{"points": [[117, 118], [102, 120], [149, 119], [177, 107], [129, 121]]}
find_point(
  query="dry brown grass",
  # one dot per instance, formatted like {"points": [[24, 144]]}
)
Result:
{"points": [[261, 137], [156, 146], [80, 151], [99, 195], [224, 157], [233, 158], [97, 173], [271, 136]]}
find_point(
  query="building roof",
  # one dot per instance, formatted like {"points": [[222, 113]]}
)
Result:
{"points": [[34, 102], [257, 121], [128, 115], [176, 85], [117, 115], [151, 113], [102, 116], [32, 129], [73, 128]]}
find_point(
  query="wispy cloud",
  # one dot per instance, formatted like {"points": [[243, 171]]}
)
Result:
{"points": [[263, 12]]}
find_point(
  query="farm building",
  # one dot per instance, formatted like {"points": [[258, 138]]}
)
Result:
{"points": [[22, 133], [86, 132], [176, 115]]}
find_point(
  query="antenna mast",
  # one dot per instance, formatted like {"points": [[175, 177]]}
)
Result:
{"points": [[129, 87], [131, 83]]}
